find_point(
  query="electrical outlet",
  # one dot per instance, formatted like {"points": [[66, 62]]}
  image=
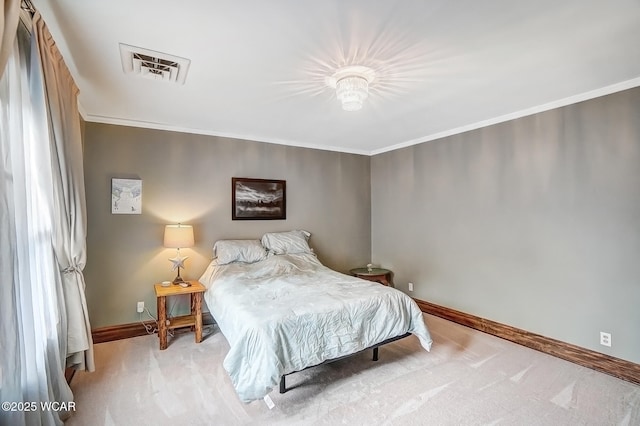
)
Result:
{"points": [[605, 339], [410, 286], [140, 307]]}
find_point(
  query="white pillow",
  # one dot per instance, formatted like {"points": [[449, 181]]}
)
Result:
{"points": [[247, 251], [287, 242]]}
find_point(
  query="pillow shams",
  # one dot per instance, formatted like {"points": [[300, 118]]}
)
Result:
{"points": [[247, 251], [287, 242]]}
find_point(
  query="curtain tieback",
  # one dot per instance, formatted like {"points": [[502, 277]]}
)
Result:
{"points": [[70, 269]]}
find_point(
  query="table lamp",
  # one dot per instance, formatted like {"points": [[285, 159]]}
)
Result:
{"points": [[178, 236]]}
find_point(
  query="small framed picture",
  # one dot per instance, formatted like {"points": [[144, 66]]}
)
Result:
{"points": [[126, 196], [258, 199]]}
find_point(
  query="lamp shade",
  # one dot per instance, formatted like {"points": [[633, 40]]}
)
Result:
{"points": [[178, 236]]}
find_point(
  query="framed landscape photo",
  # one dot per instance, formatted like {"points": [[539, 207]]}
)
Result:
{"points": [[126, 196], [258, 199]]}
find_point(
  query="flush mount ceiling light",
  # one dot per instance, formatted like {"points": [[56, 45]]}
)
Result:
{"points": [[352, 85]]}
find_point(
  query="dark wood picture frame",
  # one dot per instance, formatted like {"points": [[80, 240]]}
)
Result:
{"points": [[258, 199]]}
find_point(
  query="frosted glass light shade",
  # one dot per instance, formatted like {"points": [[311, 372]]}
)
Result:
{"points": [[352, 91], [178, 236]]}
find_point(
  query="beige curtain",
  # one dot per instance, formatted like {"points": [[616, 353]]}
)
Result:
{"points": [[70, 223], [8, 25]]}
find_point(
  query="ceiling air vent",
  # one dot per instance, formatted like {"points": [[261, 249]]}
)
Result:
{"points": [[154, 65]]}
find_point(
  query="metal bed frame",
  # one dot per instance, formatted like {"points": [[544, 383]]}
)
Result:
{"points": [[283, 385]]}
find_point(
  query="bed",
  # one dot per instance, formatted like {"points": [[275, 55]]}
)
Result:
{"points": [[282, 310]]}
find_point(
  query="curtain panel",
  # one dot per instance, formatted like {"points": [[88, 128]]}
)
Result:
{"points": [[8, 26], [10, 360], [33, 319], [70, 218], [44, 324]]}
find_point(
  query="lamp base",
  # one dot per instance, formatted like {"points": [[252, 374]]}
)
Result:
{"points": [[178, 279]]}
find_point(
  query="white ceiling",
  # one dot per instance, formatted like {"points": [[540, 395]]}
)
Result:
{"points": [[258, 67]]}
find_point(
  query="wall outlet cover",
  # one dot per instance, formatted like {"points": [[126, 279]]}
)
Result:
{"points": [[605, 339]]}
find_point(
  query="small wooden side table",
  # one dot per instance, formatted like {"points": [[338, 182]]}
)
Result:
{"points": [[380, 275], [196, 289]]}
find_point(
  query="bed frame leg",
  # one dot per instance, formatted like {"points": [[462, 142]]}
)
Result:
{"points": [[375, 353], [283, 385]]}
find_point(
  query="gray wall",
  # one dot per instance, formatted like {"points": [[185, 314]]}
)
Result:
{"points": [[187, 178], [534, 223]]}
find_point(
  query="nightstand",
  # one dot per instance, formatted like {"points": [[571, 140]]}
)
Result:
{"points": [[196, 289], [380, 275]]}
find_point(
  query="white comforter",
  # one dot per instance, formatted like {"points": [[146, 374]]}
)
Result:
{"points": [[289, 312]]}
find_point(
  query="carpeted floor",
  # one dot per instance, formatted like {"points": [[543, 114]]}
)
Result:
{"points": [[468, 378]]}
